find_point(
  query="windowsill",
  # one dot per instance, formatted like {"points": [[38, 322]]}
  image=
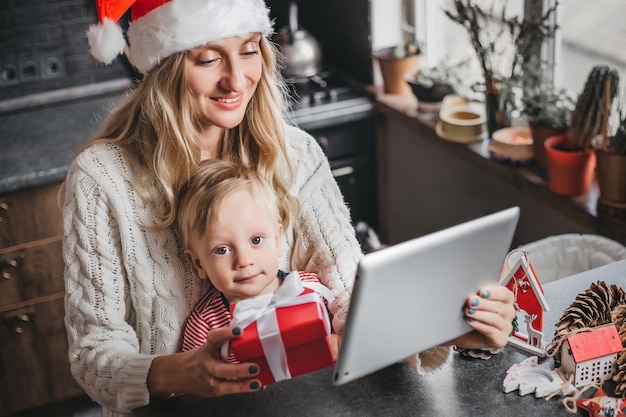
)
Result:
{"points": [[529, 180]]}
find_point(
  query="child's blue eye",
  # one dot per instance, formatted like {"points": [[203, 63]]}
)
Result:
{"points": [[222, 250]]}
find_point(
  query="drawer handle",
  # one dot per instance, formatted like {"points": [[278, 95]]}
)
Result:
{"points": [[4, 211], [342, 172], [19, 320], [9, 267]]}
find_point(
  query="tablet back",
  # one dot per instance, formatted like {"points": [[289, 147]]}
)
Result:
{"points": [[409, 297]]}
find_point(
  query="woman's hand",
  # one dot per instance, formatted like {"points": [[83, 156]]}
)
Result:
{"points": [[202, 371], [490, 313]]}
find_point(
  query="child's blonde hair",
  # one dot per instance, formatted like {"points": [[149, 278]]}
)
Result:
{"points": [[200, 199]]}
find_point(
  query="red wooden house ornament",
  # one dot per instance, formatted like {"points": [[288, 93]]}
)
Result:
{"points": [[592, 354], [523, 282]]}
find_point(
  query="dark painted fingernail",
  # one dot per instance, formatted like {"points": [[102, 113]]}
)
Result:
{"points": [[253, 369], [475, 302], [236, 331], [471, 311], [255, 385], [486, 294], [470, 319]]}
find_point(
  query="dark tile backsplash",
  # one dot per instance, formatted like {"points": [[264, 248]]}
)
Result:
{"points": [[43, 43], [43, 47]]}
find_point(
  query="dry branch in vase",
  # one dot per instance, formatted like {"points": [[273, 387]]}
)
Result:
{"points": [[525, 34]]}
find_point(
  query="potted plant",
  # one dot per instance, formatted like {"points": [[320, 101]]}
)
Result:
{"points": [[525, 34], [547, 108], [432, 84], [611, 172], [397, 61], [571, 157]]}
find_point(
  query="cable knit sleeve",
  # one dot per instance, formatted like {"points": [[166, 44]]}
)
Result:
{"points": [[124, 283], [325, 240], [96, 290]]}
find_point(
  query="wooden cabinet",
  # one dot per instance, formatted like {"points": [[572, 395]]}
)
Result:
{"points": [[427, 184], [34, 367]]}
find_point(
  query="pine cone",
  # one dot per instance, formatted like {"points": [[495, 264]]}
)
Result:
{"points": [[589, 309], [618, 316]]}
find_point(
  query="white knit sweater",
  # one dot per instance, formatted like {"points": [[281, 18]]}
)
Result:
{"points": [[129, 288]]}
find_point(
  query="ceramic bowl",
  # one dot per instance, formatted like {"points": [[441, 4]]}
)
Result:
{"points": [[433, 94], [461, 124], [513, 144]]}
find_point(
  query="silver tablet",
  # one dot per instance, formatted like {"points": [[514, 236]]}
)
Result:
{"points": [[408, 298]]}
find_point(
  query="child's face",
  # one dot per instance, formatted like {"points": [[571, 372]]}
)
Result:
{"points": [[240, 253]]}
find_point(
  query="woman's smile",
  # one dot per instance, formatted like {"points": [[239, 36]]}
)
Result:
{"points": [[229, 103]]}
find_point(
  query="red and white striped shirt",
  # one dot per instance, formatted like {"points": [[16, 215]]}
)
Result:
{"points": [[212, 312]]}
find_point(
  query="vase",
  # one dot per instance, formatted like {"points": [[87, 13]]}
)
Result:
{"points": [[394, 71], [570, 172], [611, 175], [539, 135], [498, 114]]}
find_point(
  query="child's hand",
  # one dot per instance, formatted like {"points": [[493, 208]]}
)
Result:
{"points": [[490, 313], [335, 341]]}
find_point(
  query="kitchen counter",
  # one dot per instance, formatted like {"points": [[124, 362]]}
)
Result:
{"points": [[527, 180], [462, 387], [41, 134], [39, 142]]}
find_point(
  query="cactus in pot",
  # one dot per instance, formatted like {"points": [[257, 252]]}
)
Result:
{"points": [[593, 107]]}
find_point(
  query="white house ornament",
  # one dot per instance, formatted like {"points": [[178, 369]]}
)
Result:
{"points": [[591, 354]]}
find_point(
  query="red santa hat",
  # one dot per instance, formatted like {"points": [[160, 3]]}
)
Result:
{"points": [[160, 28]]}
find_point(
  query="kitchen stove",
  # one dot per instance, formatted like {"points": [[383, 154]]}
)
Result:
{"points": [[325, 99], [340, 116]]}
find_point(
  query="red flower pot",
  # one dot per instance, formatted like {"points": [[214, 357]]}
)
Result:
{"points": [[570, 172]]}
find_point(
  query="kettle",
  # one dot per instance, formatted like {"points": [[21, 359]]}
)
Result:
{"points": [[302, 53]]}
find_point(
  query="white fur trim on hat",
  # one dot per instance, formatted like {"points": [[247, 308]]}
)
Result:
{"points": [[180, 25], [106, 40]]}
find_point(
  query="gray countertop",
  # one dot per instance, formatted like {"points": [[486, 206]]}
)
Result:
{"points": [[462, 387], [39, 143]]}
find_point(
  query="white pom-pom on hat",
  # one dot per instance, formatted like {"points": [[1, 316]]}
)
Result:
{"points": [[106, 40]]}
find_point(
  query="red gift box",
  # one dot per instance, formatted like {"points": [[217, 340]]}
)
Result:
{"points": [[288, 339]]}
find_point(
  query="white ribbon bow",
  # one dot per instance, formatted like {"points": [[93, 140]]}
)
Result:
{"points": [[262, 309]]}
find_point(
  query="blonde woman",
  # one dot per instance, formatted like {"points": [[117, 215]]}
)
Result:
{"points": [[210, 89]]}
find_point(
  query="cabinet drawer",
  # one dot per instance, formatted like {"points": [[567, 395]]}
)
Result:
{"points": [[346, 139], [33, 358], [30, 215], [31, 272]]}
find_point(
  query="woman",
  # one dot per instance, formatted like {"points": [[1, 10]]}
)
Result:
{"points": [[210, 90]]}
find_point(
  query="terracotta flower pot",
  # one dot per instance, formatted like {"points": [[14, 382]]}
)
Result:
{"points": [[612, 177], [540, 134], [395, 69], [569, 172]]}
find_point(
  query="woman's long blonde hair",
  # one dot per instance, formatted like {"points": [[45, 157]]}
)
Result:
{"points": [[156, 126]]}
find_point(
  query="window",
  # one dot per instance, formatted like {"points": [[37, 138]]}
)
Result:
{"points": [[591, 33], [445, 39]]}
